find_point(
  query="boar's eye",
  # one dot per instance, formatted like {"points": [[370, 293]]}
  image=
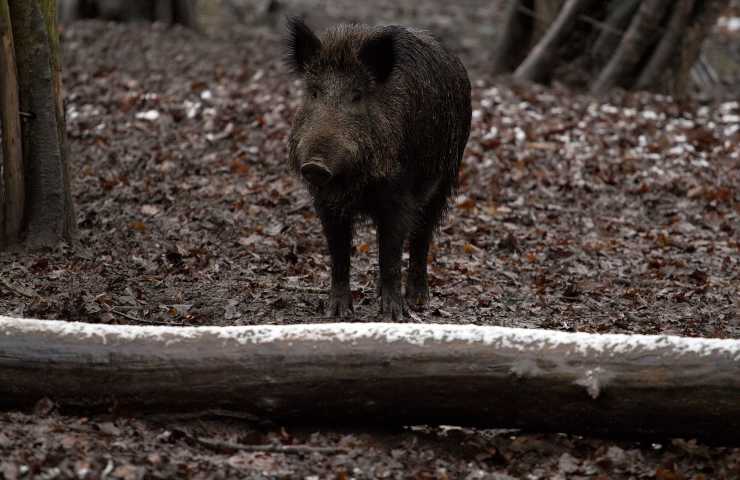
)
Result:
{"points": [[356, 96], [312, 92]]}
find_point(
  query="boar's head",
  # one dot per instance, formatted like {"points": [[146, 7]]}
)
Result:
{"points": [[348, 129]]}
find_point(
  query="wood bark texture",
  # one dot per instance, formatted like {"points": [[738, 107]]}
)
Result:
{"points": [[614, 26], [49, 210], [513, 42], [632, 44], [704, 17], [639, 36], [538, 64], [167, 11], [668, 47], [390, 373], [13, 189]]}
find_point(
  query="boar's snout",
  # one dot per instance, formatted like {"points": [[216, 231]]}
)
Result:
{"points": [[316, 173]]}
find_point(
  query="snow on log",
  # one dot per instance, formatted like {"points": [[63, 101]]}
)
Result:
{"points": [[378, 372]]}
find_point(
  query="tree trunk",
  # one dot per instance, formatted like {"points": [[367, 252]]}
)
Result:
{"points": [[668, 46], [12, 189], [49, 214], [167, 11], [538, 65], [651, 44], [512, 43], [546, 11], [390, 373], [611, 33], [184, 13], [704, 17], [638, 38], [164, 11]]}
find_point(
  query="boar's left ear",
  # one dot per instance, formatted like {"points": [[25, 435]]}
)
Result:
{"points": [[303, 44], [378, 54]]}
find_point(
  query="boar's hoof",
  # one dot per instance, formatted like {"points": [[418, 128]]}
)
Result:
{"points": [[316, 173], [417, 297], [340, 305], [391, 308]]}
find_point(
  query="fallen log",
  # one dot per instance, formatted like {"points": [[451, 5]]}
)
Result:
{"points": [[390, 373]]}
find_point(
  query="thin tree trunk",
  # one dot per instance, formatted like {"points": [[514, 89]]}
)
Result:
{"points": [[639, 37], [512, 43], [184, 13], [390, 373], [545, 13], [614, 26], [164, 11], [704, 17], [668, 47], [49, 211], [539, 63], [13, 191]]}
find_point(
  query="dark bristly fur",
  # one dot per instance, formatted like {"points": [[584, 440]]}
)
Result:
{"points": [[381, 134]]}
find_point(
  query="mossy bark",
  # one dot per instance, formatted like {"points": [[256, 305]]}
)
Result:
{"points": [[12, 189], [49, 214]]}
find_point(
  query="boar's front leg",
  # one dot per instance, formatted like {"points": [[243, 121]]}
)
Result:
{"points": [[391, 233], [338, 231]]}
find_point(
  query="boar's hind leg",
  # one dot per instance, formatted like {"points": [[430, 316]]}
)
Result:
{"points": [[417, 286], [391, 233], [338, 231]]}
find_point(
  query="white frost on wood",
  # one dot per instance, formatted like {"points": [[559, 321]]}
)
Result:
{"points": [[731, 24], [501, 338], [594, 380]]}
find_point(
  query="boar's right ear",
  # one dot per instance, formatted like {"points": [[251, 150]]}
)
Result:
{"points": [[303, 44], [378, 54]]}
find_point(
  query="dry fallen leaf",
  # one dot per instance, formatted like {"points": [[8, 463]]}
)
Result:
{"points": [[138, 226], [469, 248]]}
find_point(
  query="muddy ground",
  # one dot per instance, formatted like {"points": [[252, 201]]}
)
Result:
{"points": [[612, 215]]}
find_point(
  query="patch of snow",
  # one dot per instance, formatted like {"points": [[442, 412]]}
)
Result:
{"points": [[502, 338], [150, 115], [610, 109], [731, 24], [649, 115], [728, 107], [520, 135], [731, 130]]}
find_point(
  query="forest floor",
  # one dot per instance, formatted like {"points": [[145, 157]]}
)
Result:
{"points": [[616, 215]]}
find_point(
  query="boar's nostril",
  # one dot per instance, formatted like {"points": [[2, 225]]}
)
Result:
{"points": [[316, 173]]}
